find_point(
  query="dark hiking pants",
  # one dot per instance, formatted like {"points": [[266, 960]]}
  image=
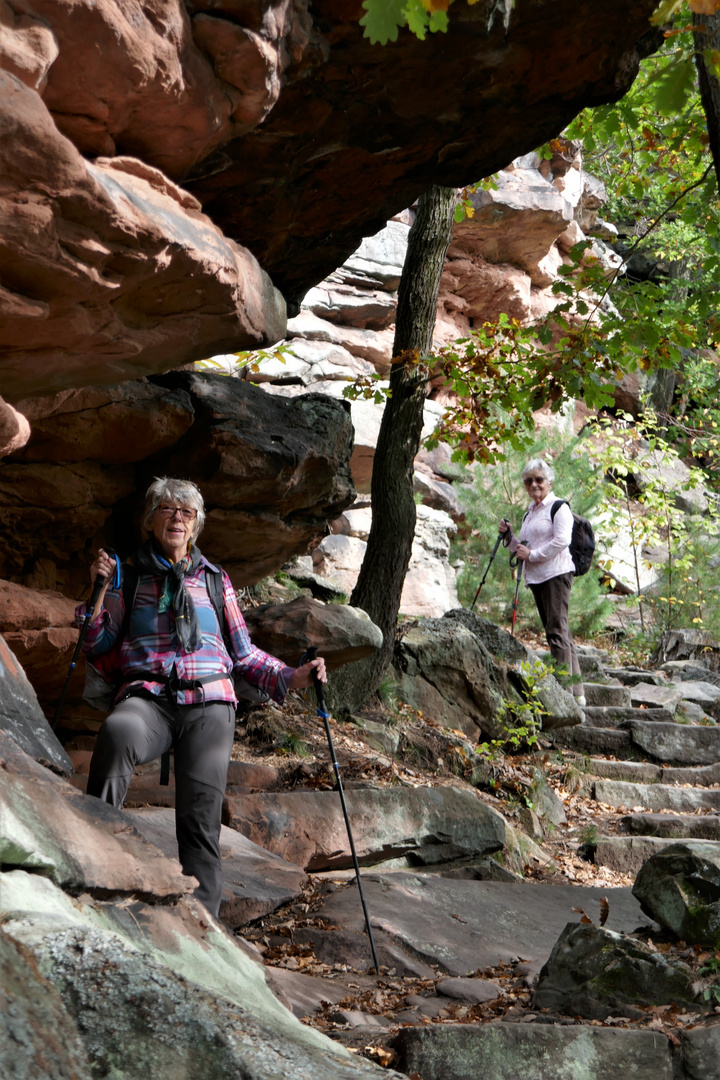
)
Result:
{"points": [[552, 599], [141, 729]]}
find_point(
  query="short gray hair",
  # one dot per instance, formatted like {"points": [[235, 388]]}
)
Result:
{"points": [[537, 464], [183, 492]]}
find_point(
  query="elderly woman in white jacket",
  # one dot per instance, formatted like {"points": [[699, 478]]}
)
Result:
{"points": [[548, 569]]}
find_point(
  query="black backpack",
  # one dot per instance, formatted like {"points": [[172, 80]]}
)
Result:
{"points": [[582, 541]]}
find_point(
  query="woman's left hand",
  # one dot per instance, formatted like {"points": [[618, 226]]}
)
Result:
{"points": [[522, 552], [303, 676]]}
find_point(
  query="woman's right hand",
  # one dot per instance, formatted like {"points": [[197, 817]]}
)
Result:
{"points": [[103, 566], [503, 526]]}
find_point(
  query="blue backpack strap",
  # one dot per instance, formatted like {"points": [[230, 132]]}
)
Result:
{"points": [[214, 584]]}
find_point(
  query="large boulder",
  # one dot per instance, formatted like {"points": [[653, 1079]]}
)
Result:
{"points": [[340, 633], [427, 824], [147, 990], [679, 887], [596, 973], [468, 674]]}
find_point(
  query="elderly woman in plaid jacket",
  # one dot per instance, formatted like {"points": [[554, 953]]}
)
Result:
{"points": [[177, 665]]}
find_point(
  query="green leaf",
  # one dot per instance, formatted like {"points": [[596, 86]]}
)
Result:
{"points": [[417, 18], [675, 86], [382, 19]]}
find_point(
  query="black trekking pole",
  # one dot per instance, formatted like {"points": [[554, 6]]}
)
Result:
{"points": [[503, 538], [94, 596], [311, 654]]}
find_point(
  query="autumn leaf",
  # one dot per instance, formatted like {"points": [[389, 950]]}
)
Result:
{"points": [[604, 910], [585, 917], [704, 7]]}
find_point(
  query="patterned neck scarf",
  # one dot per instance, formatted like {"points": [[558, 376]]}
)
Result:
{"points": [[149, 560]]}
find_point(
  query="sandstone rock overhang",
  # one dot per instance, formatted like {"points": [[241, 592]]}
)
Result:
{"points": [[360, 130], [295, 135]]}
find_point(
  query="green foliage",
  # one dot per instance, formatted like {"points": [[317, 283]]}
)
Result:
{"points": [[293, 744], [384, 18], [710, 970], [638, 452], [498, 492], [520, 722], [246, 362]]}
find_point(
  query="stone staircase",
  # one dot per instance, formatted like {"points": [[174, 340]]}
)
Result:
{"points": [[649, 752]]}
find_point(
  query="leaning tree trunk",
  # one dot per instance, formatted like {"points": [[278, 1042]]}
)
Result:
{"points": [[707, 36], [379, 585]]}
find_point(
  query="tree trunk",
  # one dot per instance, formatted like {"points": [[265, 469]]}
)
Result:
{"points": [[379, 585], [707, 36]]}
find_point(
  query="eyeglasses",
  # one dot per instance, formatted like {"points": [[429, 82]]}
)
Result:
{"points": [[185, 512], [535, 480]]}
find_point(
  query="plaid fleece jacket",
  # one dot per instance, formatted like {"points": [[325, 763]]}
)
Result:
{"points": [[150, 643]]}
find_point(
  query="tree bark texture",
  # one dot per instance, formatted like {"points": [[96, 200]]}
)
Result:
{"points": [[707, 36], [379, 585]]}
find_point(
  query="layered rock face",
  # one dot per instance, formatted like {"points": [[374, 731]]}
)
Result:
{"points": [[271, 471]]}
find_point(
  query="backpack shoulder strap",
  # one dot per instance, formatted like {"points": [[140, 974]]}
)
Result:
{"points": [[130, 581], [556, 506], [214, 584]]}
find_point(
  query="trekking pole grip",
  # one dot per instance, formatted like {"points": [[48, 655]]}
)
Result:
{"points": [[311, 654]]}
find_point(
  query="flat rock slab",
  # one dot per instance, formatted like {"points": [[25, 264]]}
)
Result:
{"points": [[77, 841], [308, 828], [463, 926], [506, 1051], [676, 744], [304, 994], [626, 854], [677, 826], [22, 717], [656, 796], [255, 882]]}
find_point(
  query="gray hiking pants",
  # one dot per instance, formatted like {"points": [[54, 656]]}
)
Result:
{"points": [[552, 599], [140, 729]]}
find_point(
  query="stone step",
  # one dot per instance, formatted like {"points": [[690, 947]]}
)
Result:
{"points": [[633, 676], [655, 697], [676, 826], [612, 715], [647, 772], [586, 739], [605, 694], [674, 744], [683, 800], [626, 854]]}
